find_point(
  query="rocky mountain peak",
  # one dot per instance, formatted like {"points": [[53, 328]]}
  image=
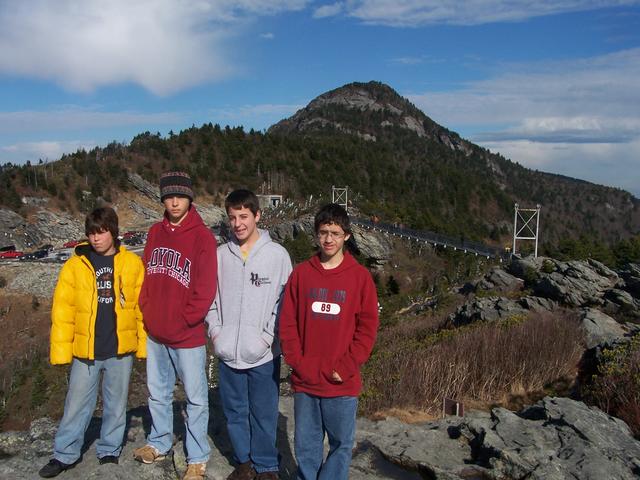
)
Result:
{"points": [[368, 110]]}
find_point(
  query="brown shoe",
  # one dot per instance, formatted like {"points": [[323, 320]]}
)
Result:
{"points": [[195, 471], [148, 454], [244, 471], [268, 476]]}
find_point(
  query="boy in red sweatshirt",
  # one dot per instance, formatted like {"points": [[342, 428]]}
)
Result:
{"points": [[328, 326], [179, 286]]}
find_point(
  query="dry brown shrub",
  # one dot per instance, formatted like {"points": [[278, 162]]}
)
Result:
{"points": [[615, 387], [478, 364]]}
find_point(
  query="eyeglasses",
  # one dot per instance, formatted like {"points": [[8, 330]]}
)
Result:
{"points": [[323, 234]]}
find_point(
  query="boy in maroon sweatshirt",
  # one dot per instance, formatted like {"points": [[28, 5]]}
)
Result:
{"points": [[328, 326], [179, 286]]}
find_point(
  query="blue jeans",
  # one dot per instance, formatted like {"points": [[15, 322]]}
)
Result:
{"points": [[81, 402], [250, 405], [315, 416], [163, 364]]}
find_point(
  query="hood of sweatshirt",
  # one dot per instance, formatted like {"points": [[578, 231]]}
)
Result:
{"points": [[84, 249], [347, 263], [191, 221], [263, 240]]}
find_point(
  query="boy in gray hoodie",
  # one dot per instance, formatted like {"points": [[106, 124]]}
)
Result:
{"points": [[252, 273]]}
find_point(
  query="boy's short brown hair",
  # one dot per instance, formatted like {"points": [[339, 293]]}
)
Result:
{"points": [[242, 198], [332, 213], [102, 219]]}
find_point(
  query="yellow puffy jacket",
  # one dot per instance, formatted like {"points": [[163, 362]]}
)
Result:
{"points": [[75, 303]]}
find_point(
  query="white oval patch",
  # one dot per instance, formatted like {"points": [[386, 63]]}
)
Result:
{"points": [[324, 307]]}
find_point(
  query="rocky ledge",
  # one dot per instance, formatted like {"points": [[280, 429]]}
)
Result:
{"points": [[557, 438]]}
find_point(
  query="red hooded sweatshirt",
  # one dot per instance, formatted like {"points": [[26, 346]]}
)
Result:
{"points": [[328, 323], [179, 282]]}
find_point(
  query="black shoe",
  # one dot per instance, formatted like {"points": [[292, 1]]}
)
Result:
{"points": [[108, 459], [54, 468]]}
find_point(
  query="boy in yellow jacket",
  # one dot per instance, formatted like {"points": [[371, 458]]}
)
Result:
{"points": [[96, 325]]}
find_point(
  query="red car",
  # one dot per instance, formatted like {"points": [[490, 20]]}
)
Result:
{"points": [[71, 243], [11, 254]]}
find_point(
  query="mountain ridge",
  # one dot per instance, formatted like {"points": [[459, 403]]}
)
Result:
{"points": [[398, 163]]}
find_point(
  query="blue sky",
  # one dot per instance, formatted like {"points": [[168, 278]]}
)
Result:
{"points": [[553, 85]]}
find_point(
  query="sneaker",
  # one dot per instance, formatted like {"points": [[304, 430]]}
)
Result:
{"points": [[268, 476], [108, 459], [244, 471], [148, 454], [55, 467], [195, 471]]}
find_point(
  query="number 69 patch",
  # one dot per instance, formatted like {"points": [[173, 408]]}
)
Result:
{"points": [[324, 307]]}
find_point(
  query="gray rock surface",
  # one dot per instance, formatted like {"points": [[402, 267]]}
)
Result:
{"points": [[292, 228], [374, 246], [631, 276], [491, 309], [576, 284], [520, 267], [557, 438], [148, 189], [44, 226], [488, 309], [603, 331], [498, 280]]}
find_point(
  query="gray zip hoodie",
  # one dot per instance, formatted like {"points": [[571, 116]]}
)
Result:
{"points": [[242, 318]]}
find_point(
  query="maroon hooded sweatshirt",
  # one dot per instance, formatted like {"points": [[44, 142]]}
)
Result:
{"points": [[328, 323], [179, 282]]}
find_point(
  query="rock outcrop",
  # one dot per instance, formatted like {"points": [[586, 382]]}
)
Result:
{"points": [[606, 300], [374, 246], [44, 226], [555, 439]]}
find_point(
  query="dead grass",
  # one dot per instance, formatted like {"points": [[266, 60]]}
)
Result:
{"points": [[483, 364]]}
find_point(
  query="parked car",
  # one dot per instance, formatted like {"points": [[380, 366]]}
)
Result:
{"points": [[38, 254], [11, 254], [47, 246], [72, 243], [62, 256]]}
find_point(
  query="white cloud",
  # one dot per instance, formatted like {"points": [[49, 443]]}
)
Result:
{"points": [[267, 36], [328, 10], [578, 118], [162, 45], [611, 164], [45, 150], [413, 13], [594, 99], [408, 60]]}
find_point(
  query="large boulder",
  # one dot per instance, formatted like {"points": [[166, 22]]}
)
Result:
{"points": [[491, 309], [576, 283], [374, 246], [292, 228], [600, 329], [488, 309], [499, 281], [555, 439], [631, 276]]}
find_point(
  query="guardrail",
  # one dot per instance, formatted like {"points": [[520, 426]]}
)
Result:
{"points": [[466, 246]]}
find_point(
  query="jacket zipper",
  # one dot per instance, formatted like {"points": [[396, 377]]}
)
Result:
{"points": [[244, 264], [119, 300], [92, 322]]}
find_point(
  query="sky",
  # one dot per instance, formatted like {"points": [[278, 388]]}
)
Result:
{"points": [[551, 84]]}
